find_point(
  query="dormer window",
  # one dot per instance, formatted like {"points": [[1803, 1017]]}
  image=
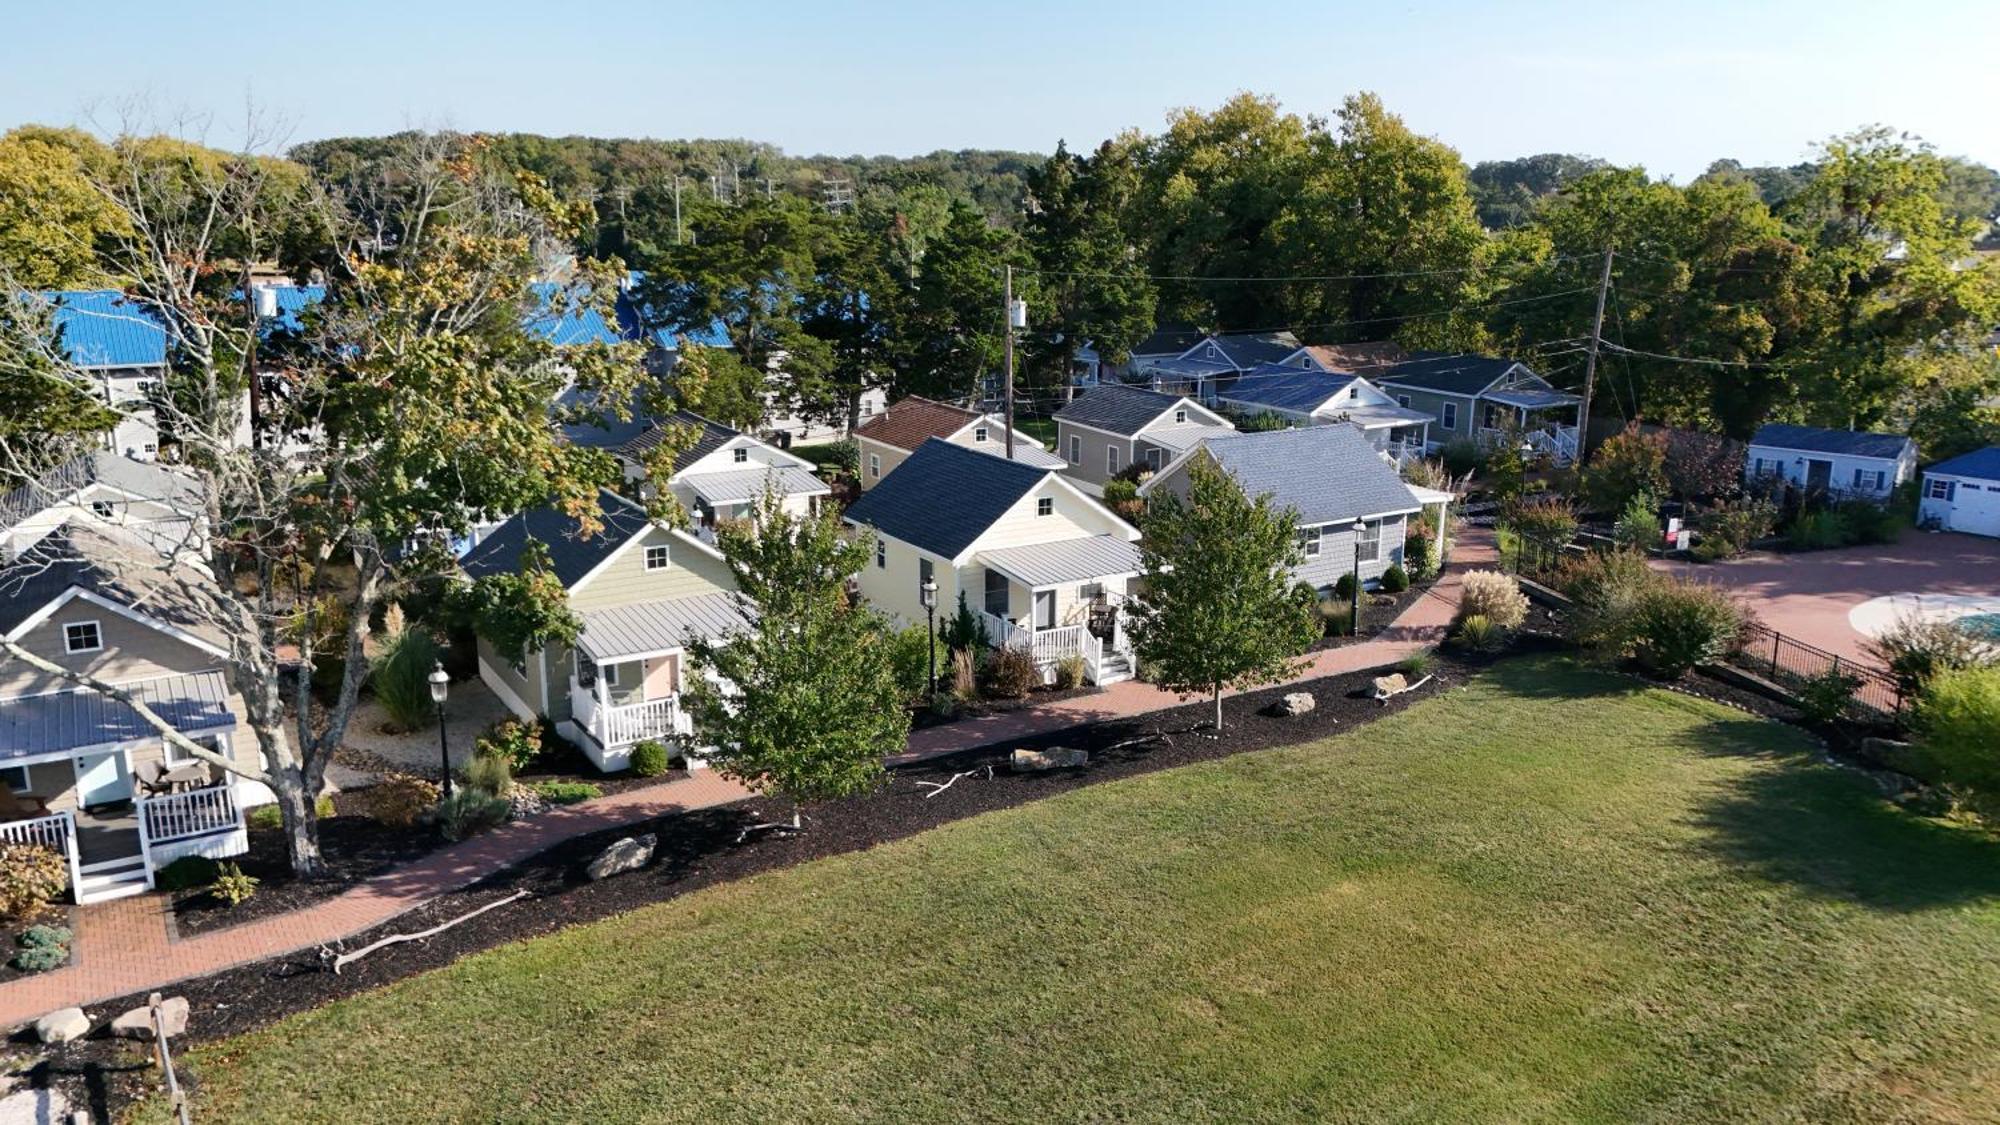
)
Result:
{"points": [[102, 509], [979, 434], [739, 455]]}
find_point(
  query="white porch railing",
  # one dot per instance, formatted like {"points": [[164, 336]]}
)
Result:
{"points": [[657, 718], [1048, 645], [57, 831], [1558, 443], [197, 812]]}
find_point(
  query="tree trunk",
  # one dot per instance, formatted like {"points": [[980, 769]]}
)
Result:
{"points": [[295, 805], [1218, 708]]}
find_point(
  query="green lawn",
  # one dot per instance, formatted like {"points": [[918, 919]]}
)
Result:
{"points": [[1553, 895]]}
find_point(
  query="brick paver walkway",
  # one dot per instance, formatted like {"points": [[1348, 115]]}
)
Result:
{"points": [[123, 947]]}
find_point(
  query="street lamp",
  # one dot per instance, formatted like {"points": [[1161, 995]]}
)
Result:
{"points": [[440, 684], [1354, 611], [928, 592]]}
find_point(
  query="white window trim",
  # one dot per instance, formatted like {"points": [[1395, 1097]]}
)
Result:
{"points": [[1076, 449], [1111, 459], [1045, 505], [666, 557], [1370, 541], [1309, 540], [740, 455], [96, 628], [875, 466], [1448, 416], [979, 433], [1938, 489], [607, 674]]}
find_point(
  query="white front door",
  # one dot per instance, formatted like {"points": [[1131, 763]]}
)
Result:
{"points": [[1045, 609], [102, 779]]}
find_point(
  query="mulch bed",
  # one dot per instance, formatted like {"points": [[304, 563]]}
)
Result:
{"points": [[923, 718], [58, 914], [1376, 619], [700, 849]]}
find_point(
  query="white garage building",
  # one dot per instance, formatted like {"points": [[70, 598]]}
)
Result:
{"points": [[1963, 493]]}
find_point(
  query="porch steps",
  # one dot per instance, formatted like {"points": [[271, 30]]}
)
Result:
{"points": [[1114, 668], [111, 878]]}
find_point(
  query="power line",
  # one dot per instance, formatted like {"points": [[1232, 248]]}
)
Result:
{"points": [[1407, 316], [1285, 278]]}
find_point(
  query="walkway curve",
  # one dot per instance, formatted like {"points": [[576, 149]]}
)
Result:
{"points": [[123, 947]]}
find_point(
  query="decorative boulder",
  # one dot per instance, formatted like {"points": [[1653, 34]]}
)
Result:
{"points": [[1295, 703], [138, 1023], [1381, 599], [1391, 684], [629, 854], [63, 1025], [1054, 758]]}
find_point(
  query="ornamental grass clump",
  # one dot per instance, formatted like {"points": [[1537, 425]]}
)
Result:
{"points": [[1494, 596], [31, 876]]}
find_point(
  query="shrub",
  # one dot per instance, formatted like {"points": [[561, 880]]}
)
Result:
{"points": [[268, 818], [1958, 718], [468, 812], [1865, 521], [1728, 530], [400, 675], [490, 773], [31, 876], [1462, 456], [567, 792], [1122, 496], [1417, 549], [1343, 589], [1915, 651], [1506, 472], [1417, 665], [1549, 519], [1395, 580], [961, 631], [1494, 596], [1069, 672], [1336, 617], [1819, 530], [649, 758], [400, 800], [42, 948], [1010, 672], [1627, 464], [1639, 523], [186, 873], [517, 743], [1604, 591], [232, 886], [964, 679], [1680, 624], [1826, 696], [910, 656], [1478, 633]]}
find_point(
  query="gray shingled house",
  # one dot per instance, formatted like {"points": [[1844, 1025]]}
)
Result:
{"points": [[1483, 399], [1111, 428]]}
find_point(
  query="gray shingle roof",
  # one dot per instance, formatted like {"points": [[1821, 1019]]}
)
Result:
{"points": [[570, 555], [944, 496], [1247, 350], [1459, 374], [68, 720], [1328, 473], [656, 626], [1121, 410], [106, 561], [138, 478], [1168, 339], [1812, 439], [1288, 389], [714, 435]]}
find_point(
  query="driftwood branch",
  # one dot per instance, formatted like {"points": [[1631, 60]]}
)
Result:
{"points": [[342, 960], [939, 787], [796, 824]]}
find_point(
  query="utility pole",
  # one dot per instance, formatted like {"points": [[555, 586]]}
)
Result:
{"points": [[1007, 322], [1590, 364], [677, 211], [250, 362]]}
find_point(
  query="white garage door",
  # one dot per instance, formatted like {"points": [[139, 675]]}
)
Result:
{"points": [[1976, 508]]}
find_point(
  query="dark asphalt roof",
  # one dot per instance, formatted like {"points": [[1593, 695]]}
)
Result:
{"points": [[106, 561], [138, 478], [571, 555], [1168, 339], [1286, 388], [1250, 349], [714, 435], [1460, 373], [1119, 409], [944, 496], [1980, 464], [1812, 439]]}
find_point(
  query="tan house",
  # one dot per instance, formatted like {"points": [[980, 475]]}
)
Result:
{"points": [[1041, 563], [888, 439], [83, 773], [642, 589]]}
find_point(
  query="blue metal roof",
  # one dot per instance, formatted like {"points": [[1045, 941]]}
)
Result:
{"points": [[1813, 439], [293, 300], [1287, 388], [104, 328], [1980, 464]]}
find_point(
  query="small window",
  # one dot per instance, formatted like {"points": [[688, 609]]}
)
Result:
{"points": [[610, 674], [1368, 548], [1937, 488], [103, 509], [924, 573], [1045, 506], [82, 636], [15, 778], [979, 434], [1091, 592], [1448, 416], [1076, 449], [739, 455], [875, 466], [1111, 459], [1180, 417], [215, 743], [1153, 457], [658, 558], [1403, 401], [1353, 392], [1309, 541], [881, 554]]}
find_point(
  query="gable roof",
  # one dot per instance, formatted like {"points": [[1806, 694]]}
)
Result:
{"points": [[103, 562], [571, 556], [1169, 339], [944, 497], [910, 421], [1248, 349], [1980, 464], [1813, 439], [1365, 358], [714, 435], [105, 328], [1118, 409], [141, 479], [1287, 388], [1328, 473], [1458, 373]]}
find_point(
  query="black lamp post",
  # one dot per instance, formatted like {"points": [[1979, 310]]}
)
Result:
{"points": [[1354, 610], [440, 684], [928, 593]]}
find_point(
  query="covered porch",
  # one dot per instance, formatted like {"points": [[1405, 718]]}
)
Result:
{"points": [[1545, 421], [1060, 600], [626, 672], [1397, 433], [718, 497]]}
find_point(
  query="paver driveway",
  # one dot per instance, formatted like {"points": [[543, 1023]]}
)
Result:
{"points": [[1809, 595]]}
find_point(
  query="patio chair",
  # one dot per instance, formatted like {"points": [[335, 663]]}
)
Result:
{"points": [[151, 778], [20, 806]]}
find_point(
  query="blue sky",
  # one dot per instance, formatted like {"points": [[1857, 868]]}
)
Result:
{"points": [[1671, 86]]}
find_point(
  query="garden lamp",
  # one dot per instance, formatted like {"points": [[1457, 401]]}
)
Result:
{"points": [[927, 592], [440, 683], [1354, 610]]}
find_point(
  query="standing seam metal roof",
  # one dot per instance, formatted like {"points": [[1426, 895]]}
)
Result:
{"points": [[656, 626], [1066, 560], [69, 720]]}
